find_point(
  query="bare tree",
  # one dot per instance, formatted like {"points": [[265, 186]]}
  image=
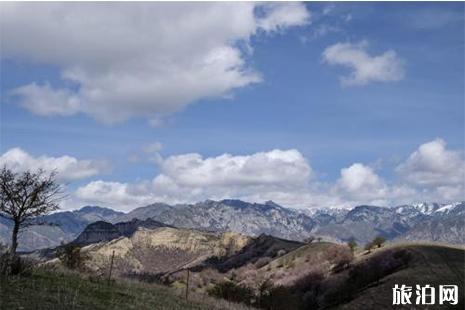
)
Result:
{"points": [[26, 195]]}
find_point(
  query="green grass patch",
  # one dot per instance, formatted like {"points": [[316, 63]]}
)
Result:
{"points": [[64, 290]]}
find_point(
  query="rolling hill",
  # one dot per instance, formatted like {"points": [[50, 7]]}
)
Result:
{"points": [[424, 264], [316, 275]]}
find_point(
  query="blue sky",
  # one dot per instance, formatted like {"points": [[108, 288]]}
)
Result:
{"points": [[289, 96]]}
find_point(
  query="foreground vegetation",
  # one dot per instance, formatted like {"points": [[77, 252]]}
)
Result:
{"points": [[318, 275], [46, 289], [364, 282]]}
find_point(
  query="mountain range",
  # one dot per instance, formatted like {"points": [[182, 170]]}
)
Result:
{"points": [[416, 222]]}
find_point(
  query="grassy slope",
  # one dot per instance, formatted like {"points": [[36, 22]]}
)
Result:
{"points": [[431, 264], [50, 290]]}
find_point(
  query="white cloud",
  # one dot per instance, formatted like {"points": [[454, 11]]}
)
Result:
{"points": [[276, 167], [121, 196], [43, 100], [360, 182], [432, 173], [276, 16], [137, 59], [364, 67], [438, 171], [283, 175], [433, 165], [67, 167]]}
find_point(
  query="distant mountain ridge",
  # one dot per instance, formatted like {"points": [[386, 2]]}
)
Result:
{"points": [[424, 221], [230, 215], [362, 222]]}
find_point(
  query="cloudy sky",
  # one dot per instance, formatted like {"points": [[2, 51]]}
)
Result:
{"points": [[309, 105]]}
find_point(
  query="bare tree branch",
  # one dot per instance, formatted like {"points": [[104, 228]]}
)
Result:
{"points": [[27, 195]]}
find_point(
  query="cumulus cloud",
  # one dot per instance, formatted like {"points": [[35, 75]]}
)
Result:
{"points": [[433, 165], [364, 68], [116, 195], [139, 59], [276, 16], [67, 167], [281, 174], [360, 182], [431, 173], [276, 167], [44, 100], [438, 171]]}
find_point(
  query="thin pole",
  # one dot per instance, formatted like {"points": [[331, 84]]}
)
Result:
{"points": [[111, 266], [187, 284]]}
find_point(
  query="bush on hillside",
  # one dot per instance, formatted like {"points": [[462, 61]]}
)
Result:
{"points": [[71, 257], [278, 298], [352, 244], [343, 287], [262, 261], [378, 241], [232, 291]]}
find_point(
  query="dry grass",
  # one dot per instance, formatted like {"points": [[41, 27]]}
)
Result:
{"points": [[47, 289]]}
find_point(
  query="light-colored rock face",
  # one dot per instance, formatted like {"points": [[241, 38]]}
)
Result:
{"points": [[120, 246], [189, 240], [234, 241], [162, 250]]}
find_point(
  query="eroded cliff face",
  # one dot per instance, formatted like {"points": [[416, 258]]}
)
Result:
{"points": [[161, 250]]}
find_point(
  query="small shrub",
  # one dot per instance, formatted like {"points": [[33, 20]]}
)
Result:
{"points": [[71, 257], [262, 262], [278, 298], [352, 244], [14, 265], [231, 291], [379, 241]]}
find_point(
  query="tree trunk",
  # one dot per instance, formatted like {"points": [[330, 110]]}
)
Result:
{"points": [[14, 239]]}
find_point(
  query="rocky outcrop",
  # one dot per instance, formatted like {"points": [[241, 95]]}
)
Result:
{"points": [[162, 250]]}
